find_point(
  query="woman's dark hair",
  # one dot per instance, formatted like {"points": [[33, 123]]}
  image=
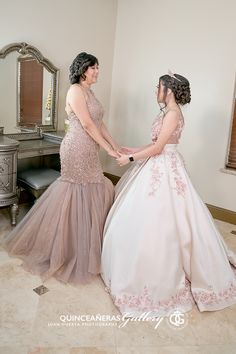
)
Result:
{"points": [[179, 85], [79, 65]]}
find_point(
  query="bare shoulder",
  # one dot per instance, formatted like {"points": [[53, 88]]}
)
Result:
{"points": [[75, 89], [172, 117], [76, 92]]}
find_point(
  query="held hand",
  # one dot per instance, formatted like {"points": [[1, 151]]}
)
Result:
{"points": [[113, 153], [127, 150], [122, 160]]}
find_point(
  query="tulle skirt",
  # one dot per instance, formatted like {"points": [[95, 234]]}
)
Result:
{"points": [[61, 235]]}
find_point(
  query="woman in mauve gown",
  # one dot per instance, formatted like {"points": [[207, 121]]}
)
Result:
{"points": [[61, 235], [161, 249]]}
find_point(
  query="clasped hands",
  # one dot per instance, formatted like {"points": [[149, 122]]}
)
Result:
{"points": [[121, 154]]}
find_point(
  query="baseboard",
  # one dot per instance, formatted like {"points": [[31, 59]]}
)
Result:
{"points": [[113, 178], [222, 214], [217, 212]]}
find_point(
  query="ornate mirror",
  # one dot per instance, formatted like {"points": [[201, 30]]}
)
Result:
{"points": [[28, 89]]}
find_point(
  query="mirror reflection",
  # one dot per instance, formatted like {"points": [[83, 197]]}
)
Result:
{"points": [[28, 91], [34, 92]]}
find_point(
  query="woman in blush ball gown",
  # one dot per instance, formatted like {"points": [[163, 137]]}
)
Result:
{"points": [[61, 235], [161, 249]]}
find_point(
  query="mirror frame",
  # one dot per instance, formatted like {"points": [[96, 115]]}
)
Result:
{"points": [[25, 48]]}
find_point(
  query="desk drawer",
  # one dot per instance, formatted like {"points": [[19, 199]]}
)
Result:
{"points": [[39, 152]]}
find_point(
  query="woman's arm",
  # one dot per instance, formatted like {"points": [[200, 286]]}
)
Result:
{"points": [[130, 150], [170, 123], [78, 104], [107, 136], [122, 149]]}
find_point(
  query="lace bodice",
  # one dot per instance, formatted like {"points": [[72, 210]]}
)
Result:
{"points": [[157, 125]]}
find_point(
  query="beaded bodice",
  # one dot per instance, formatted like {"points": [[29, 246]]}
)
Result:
{"points": [[79, 151], [95, 109]]}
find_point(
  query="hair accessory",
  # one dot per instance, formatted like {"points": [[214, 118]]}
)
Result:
{"points": [[172, 74]]}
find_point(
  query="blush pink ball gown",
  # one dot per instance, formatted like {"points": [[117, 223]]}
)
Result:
{"points": [[161, 249]]}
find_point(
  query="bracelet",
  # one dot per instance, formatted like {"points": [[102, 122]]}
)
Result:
{"points": [[131, 158]]}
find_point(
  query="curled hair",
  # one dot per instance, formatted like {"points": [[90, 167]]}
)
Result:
{"points": [[80, 65], [180, 87]]}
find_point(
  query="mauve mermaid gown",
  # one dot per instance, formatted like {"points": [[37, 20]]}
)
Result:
{"points": [[61, 235]]}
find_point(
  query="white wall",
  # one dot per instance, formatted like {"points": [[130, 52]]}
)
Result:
{"points": [[62, 29], [8, 92], [196, 39]]}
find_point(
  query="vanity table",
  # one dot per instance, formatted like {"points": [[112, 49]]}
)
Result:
{"points": [[16, 156], [42, 152], [28, 117], [8, 171], [48, 144]]}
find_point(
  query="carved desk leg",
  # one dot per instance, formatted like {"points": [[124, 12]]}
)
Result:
{"points": [[14, 211]]}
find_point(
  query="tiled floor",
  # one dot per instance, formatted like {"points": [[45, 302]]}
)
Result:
{"points": [[33, 324]]}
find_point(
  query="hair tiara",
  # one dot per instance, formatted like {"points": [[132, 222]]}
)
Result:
{"points": [[172, 74]]}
